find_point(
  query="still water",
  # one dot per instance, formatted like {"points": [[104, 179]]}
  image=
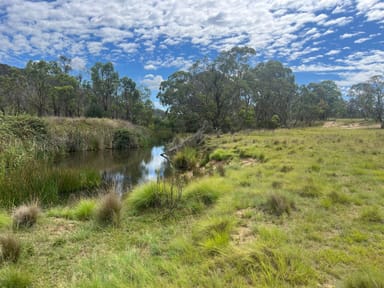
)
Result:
{"points": [[121, 169]]}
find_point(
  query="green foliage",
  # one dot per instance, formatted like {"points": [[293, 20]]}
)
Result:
{"points": [[5, 220], [213, 234], [185, 159], [339, 198], [372, 214], [10, 248], [365, 279], [204, 192], [11, 277], [274, 267], [84, 209], [108, 210], [221, 155], [278, 204], [155, 195], [94, 110], [125, 139], [38, 180]]}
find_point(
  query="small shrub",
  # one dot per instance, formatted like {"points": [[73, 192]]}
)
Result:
{"points": [[371, 279], [109, 209], [25, 215], [372, 214], [124, 139], [10, 248], [185, 159], [278, 204], [14, 278], [220, 155]]}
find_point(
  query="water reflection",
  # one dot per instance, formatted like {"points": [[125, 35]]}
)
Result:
{"points": [[122, 169]]}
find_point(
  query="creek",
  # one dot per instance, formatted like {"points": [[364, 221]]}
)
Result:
{"points": [[120, 169]]}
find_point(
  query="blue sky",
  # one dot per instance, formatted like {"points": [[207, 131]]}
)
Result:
{"points": [[147, 40]]}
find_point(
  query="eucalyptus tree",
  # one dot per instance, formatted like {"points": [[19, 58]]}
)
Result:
{"points": [[369, 96], [105, 81], [40, 75], [13, 92], [273, 91]]}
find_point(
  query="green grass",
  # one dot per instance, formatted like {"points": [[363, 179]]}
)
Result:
{"points": [[39, 181], [310, 216]]}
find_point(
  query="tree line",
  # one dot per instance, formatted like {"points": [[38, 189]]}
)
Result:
{"points": [[231, 92], [48, 89]]}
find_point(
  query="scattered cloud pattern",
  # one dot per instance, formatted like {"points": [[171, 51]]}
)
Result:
{"points": [[340, 38]]}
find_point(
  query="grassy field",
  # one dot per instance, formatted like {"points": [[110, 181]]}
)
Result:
{"points": [[284, 208]]}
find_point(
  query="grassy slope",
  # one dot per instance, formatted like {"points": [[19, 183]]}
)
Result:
{"points": [[334, 177]]}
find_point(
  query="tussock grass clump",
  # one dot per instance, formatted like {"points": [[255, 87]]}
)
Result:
{"points": [[213, 234], [278, 204], [372, 214], [109, 209], [84, 209], [10, 248], [310, 191], [14, 278], [339, 198], [204, 192], [273, 267], [25, 215], [221, 155], [185, 159], [152, 195], [368, 279]]}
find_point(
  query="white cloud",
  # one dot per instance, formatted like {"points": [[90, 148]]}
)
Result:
{"points": [[350, 35], [152, 81], [333, 52], [78, 64], [361, 40]]}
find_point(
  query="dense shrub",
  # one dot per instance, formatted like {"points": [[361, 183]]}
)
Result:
{"points": [[125, 139], [185, 159], [109, 209], [25, 215], [10, 248]]}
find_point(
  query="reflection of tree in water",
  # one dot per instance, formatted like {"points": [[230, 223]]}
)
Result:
{"points": [[122, 169]]}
